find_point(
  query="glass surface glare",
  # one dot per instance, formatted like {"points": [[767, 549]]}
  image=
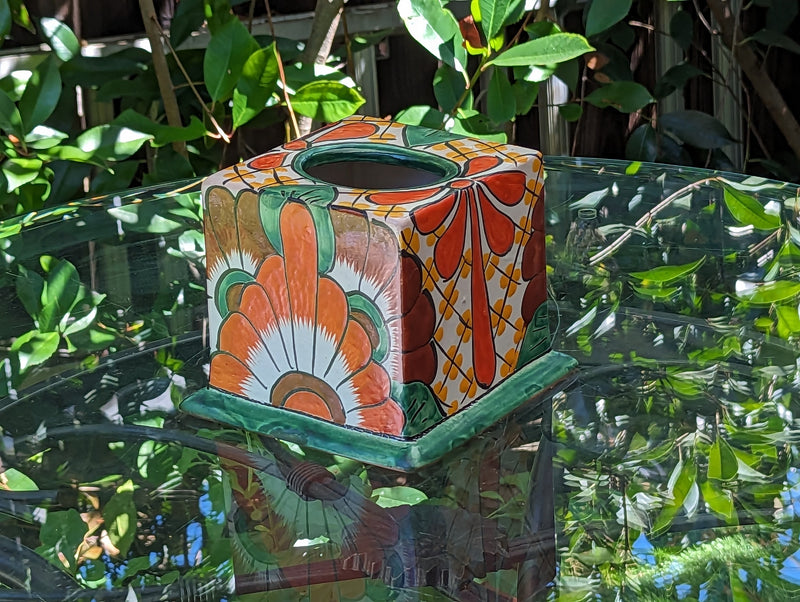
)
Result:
{"points": [[667, 468]]}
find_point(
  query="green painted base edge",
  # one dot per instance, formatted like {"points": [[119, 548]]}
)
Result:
{"points": [[389, 452]]}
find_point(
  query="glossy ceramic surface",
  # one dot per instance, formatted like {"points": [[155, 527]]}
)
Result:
{"points": [[377, 276], [671, 471]]}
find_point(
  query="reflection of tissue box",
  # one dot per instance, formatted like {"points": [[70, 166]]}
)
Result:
{"points": [[344, 302]]}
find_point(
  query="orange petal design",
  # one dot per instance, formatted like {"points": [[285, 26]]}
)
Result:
{"points": [[229, 373], [371, 384], [238, 337], [299, 238], [256, 306], [269, 161], [308, 402], [483, 355], [349, 130], [450, 247], [385, 418], [479, 164], [356, 348], [430, 217], [272, 276], [331, 311], [507, 186], [497, 226]]}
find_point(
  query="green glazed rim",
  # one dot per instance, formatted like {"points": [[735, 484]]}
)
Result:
{"points": [[532, 380], [369, 152]]}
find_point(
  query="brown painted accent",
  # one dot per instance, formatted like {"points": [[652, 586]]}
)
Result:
{"points": [[418, 324], [535, 295], [233, 296], [420, 365], [533, 256], [369, 327], [300, 381]]}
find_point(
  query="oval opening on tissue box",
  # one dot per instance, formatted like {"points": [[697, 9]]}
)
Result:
{"points": [[374, 166]]}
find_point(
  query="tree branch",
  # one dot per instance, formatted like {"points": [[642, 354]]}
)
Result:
{"points": [[762, 84], [323, 29], [161, 68]]}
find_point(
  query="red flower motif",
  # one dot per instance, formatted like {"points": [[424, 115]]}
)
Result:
{"points": [[468, 207]]}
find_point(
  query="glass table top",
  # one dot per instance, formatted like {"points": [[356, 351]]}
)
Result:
{"points": [[665, 468]]}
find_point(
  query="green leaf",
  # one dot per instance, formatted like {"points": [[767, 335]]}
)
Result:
{"points": [[14, 480], [61, 292], [42, 137], [448, 87], [10, 120], [571, 111], [605, 13], [500, 98], [682, 481], [226, 54], [525, 94], [781, 14], [189, 17], [113, 180], [140, 563], [422, 115], [477, 125], [34, 348], [771, 292], [555, 48], [5, 19], [435, 27], [81, 324], [41, 95], [697, 129], [667, 273], [162, 134], [788, 321], [493, 15], [534, 73], [256, 85], [326, 101], [769, 37], [60, 37], [21, 16], [389, 497], [681, 28], [624, 96], [30, 287], [675, 78], [719, 501], [722, 463], [119, 516], [748, 211], [19, 172], [642, 144], [111, 142], [61, 535]]}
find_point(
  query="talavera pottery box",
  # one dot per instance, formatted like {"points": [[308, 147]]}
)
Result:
{"points": [[377, 291]]}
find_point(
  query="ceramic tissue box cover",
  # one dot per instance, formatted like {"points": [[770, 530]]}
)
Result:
{"points": [[377, 290]]}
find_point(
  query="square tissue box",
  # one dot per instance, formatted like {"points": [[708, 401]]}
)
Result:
{"points": [[377, 290]]}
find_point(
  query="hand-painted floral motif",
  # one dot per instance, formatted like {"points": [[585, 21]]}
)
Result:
{"points": [[386, 310], [386, 295], [464, 215], [291, 342]]}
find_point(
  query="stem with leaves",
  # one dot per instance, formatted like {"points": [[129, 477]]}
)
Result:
{"points": [[612, 248]]}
